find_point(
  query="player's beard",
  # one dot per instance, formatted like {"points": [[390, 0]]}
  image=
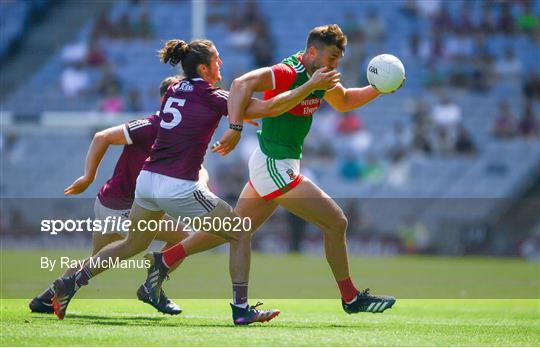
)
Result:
{"points": [[314, 66]]}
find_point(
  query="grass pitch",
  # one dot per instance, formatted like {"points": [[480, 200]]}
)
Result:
{"points": [[302, 323], [472, 302]]}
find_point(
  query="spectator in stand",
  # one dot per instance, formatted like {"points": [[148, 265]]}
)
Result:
{"points": [[464, 142], [435, 76], [504, 125], [420, 140], [528, 125], [429, 9], [374, 28], [371, 169], [349, 122], [74, 53], [74, 80], [242, 21], [398, 171], [108, 79], [251, 13], [418, 109], [134, 103], [398, 141], [531, 86], [143, 27], [487, 23], [122, 28], [417, 48], [481, 79], [442, 20], [113, 102], [350, 168], [505, 24], [464, 20], [460, 47], [446, 114], [217, 12], [438, 49], [409, 9], [527, 20], [103, 28], [444, 143], [508, 67], [263, 45], [96, 56]]}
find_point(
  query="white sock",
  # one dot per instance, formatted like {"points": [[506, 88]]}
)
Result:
{"points": [[241, 305], [351, 301]]}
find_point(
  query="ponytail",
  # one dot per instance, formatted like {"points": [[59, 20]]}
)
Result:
{"points": [[190, 55], [173, 52]]}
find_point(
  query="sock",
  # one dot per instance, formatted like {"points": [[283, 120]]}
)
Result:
{"points": [[347, 289], [47, 295], [82, 276], [240, 291], [174, 254]]}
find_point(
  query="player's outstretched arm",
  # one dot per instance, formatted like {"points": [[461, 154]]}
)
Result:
{"points": [[243, 86], [346, 99], [98, 147], [322, 79]]}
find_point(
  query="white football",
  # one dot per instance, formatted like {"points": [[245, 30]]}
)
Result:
{"points": [[386, 73]]}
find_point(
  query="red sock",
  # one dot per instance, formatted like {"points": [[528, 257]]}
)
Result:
{"points": [[347, 289], [174, 254]]}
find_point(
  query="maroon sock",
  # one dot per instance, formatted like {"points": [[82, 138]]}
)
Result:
{"points": [[347, 289], [82, 277], [174, 254], [240, 291], [47, 295]]}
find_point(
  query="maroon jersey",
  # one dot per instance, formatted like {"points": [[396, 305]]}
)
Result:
{"points": [[190, 113], [119, 191]]}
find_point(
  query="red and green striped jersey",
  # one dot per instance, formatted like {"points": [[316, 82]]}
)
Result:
{"points": [[283, 136]]}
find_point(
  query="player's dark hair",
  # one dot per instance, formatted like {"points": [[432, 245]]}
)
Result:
{"points": [[190, 55], [167, 82], [327, 35]]}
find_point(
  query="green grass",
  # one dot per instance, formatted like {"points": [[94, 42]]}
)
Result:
{"points": [[293, 276], [302, 323], [441, 301]]}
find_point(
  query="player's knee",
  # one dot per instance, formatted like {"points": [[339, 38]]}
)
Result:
{"points": [[338, 226], [343, 223]]}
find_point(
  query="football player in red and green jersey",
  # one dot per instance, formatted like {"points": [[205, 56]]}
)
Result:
{"points": [[274, 167]]}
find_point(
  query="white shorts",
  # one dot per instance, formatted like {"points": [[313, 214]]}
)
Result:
{"points": [[271, 177], [177, 197], [101, 212]]}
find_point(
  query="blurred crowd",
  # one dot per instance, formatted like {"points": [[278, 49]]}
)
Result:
{"points": [[456, 49], [88, 71]]}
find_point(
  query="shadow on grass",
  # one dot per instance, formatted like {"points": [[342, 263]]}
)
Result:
{"points": [[179, 321]]}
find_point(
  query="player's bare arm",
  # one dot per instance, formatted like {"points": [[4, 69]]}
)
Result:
{"points": [[346, 99], [98, 148], [257, 80], [322, 79]]}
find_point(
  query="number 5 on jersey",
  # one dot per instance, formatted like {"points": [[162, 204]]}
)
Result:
{"points": [[172, 107]]}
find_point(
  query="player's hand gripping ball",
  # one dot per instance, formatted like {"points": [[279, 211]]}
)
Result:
{"points": [[386, 73]]}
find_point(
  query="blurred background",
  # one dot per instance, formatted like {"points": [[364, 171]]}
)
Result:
{"points": [[449, 164]]}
